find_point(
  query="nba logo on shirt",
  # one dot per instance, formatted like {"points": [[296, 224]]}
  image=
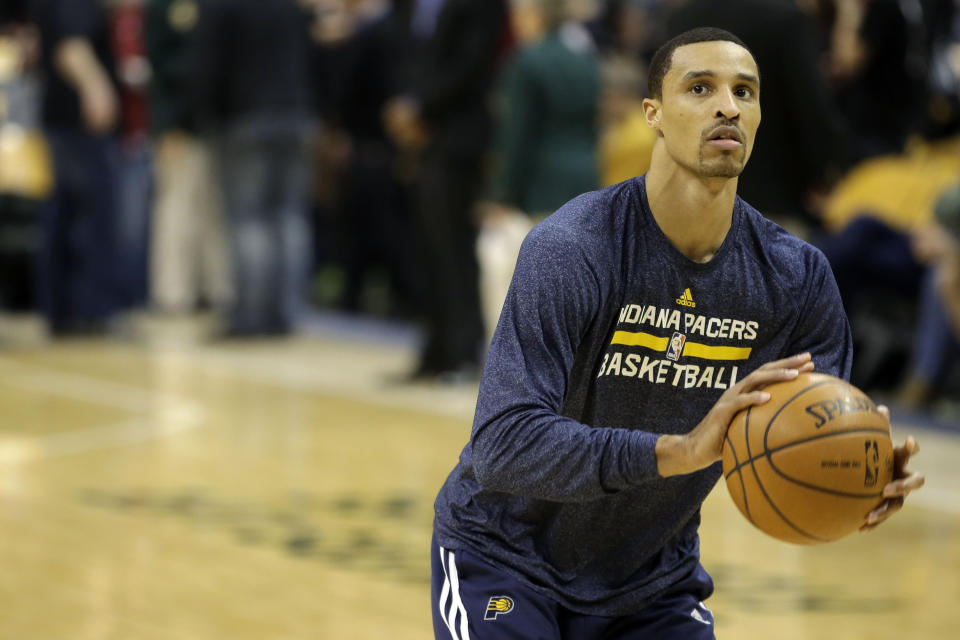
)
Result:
{"points": [[676, 346]]}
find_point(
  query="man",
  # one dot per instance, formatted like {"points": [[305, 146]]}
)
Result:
{"points": [[573, 512], [189, 258], [443, 115], [76, 279], [252, 85]]}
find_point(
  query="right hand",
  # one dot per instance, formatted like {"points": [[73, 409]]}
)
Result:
{"points": [[100, 107], [704, 444]]}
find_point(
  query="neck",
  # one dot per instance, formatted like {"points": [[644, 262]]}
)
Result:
{"points": [[694, 213]]}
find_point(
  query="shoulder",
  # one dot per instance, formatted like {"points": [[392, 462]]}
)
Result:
{"points": [[591, 221], [784, 256], [587, 233]]}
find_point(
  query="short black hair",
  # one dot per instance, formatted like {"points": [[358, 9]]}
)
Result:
{"points": [[664, 55]]}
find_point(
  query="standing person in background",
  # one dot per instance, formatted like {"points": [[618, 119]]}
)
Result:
{"points": [[443, 112], [626, 142], [189, 260], [371, 216], [876, 45], [253, 82], [77, 288], [547, 137], [945, 254], [548, 117], [127, 27]]}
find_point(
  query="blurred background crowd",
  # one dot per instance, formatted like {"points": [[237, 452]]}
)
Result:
{"points": [[264, 159]]}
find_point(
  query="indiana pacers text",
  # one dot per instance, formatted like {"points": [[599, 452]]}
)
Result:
{"points": [[675, 369]]}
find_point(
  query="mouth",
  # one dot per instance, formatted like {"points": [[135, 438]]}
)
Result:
{"points": [[725, 137]]}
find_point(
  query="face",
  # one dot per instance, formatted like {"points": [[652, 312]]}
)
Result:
{"points": [[709, 110]]}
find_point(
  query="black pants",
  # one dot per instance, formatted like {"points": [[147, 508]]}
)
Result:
{"points": [[448, 190]]}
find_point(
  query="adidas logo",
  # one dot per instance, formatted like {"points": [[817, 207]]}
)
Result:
{"points": [[686, 299]]}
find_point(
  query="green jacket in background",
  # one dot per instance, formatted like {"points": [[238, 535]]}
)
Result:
{"points": [[169, 27], [547, 139]]}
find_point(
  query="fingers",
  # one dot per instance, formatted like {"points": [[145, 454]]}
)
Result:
{"points": [[901, 487], [884, 411], [745, 400], [766, 376], [801, 360], [777, 371], [896, 491], [881, 513], [910, 447]]}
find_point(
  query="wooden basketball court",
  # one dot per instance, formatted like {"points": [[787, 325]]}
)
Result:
{"points": [[174, 488]]}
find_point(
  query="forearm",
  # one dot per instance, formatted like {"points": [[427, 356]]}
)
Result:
{"points": [[78, 64], [541, 455], [672, 456]]}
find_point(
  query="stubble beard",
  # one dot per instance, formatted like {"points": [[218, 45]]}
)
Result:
{"points": [[727, 165]]}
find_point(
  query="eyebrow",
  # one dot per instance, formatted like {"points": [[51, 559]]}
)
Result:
{"points": [[693, 75]]}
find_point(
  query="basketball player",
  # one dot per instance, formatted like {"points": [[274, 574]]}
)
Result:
{"points": [[574, 509]]}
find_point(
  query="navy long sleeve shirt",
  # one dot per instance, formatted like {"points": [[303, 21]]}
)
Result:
{"points": [[609, 337]]}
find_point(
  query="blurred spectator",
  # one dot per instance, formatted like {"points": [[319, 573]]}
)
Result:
{"points": [[444, 112], [629, 28], [547, 137], [946, 254], [372, 219], [877, 45], [546, 151], [627, 140], [898, 322], [189, 260], [77, 286], [941, 117], [253, 86], [801, 147], [25, 171], [936, 343], [127, 20]]}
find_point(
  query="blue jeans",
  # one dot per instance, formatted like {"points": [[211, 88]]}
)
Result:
{"points": [[76, 271], [265, 165], [133, 222]]}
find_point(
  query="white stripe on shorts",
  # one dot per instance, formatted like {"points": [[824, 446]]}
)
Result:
{"points": [[451, 586]]}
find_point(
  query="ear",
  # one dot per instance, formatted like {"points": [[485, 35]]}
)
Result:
{"points": [[651, 111]]}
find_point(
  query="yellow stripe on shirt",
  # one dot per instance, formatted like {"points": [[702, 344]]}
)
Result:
{"points": [[707, 352], [640, 340], [691, 349]]}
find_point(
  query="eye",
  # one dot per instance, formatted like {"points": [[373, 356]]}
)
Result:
{"points": [[699, 89], [743, 92]]}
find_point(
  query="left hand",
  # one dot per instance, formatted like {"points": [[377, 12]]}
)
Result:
{"points": [[904, 481], [401, 118]]}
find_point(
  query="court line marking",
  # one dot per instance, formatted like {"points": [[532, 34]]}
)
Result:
{"points": [[161, 414], [168, 414], [359, 377]]}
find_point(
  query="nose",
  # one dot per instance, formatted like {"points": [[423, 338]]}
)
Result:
{"points": [[727, 106]]}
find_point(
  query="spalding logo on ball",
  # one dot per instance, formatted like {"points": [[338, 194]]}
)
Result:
{"points": [[809, 464]]}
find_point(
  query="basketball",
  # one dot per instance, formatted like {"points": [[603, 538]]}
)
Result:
{"points": [[810, 463]]}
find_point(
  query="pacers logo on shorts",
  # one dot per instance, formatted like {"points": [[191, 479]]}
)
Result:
{"points": [[498, 606]]}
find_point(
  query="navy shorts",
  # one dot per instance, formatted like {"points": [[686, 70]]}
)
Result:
{"points": [[472, 600]]}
